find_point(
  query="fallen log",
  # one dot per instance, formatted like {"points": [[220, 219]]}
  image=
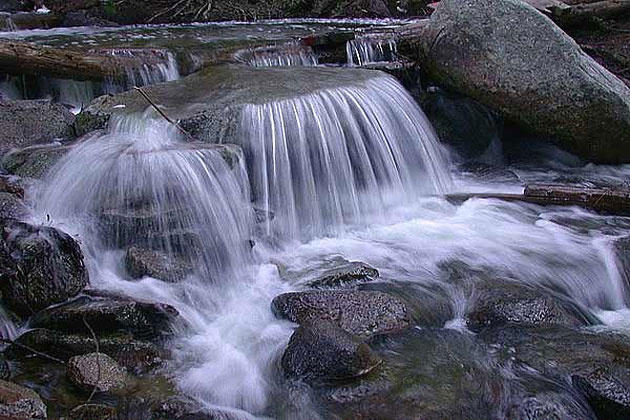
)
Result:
{"points": [[608, 9], [600, 199], [20, 58]]}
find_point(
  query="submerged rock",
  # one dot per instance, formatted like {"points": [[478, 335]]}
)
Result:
{"points": [[362, 313], [39, 266], [96, 371], [17, 402], [596, 362], [25, 123], [143, 320], [132, 354], [321, 351], [92, 412], [510, 57], [500, 303], [141, 262]]}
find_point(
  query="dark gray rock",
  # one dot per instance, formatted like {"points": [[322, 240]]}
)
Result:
{"points": [[362, 313], [622, 250], [491, 51], [92, 412], [344, 274], [11, 206], [5, 369], [17, 402], [141, 262], [34, 161], [500, 303], [597, 362], [488, 173], [143, 320], [138, 356], [321, 351], [96, 371], [25, 123], [183, 408], [39, 266]]}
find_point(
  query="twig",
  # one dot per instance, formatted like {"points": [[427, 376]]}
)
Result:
{"points": [[162, 113], [98, 363], [32, 350]]}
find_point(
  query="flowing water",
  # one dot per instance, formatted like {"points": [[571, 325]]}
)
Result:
{"points": [[285, 55], [371, 49], [354, 172]]}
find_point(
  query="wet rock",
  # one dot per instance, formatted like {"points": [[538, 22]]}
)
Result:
{"points": [[491, 51], [34, 161], [39, 266], [346, 273], [488, 173], [17, 402], [143, 320], [11, 185], [92, 412], [622, 250], [184, 408], [137, 356], [500, 303], [597, 362], [5, 369], [362, 313], [11, 206], [141, 262], [96, 371], [425, 375], [467, 126], [321, 351], [25, 123]]}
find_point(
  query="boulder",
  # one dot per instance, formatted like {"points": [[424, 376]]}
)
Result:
{"points": [[17, 402], [510, 57], [143, 320], [92, 412], [11, 206], [596, 362], [96, 371], [179, 407], [39, 266], [320, 351], [137, 356], [141, 262], [362, 313], [25, 123], [5, 369], [34, 161], [500, 303]]}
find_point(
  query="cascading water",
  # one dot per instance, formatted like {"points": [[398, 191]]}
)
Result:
{"points": [[285, 55], [339, 156], [138, 185], [370, 49]]}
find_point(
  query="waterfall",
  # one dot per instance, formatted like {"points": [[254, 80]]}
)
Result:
{"points": [[289, 54], [368, 50], [339, 156], [139, 185]]}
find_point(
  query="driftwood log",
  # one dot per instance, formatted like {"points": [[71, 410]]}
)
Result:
{"points": [[20, 58], [600, 199]]}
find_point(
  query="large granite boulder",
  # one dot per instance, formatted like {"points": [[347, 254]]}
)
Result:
{"points": [[510, 57], [39, 266]]}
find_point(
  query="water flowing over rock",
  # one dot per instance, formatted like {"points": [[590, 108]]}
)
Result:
{"points": [[335, 157], [370, 50], [41, 266], [146, 188], [510, 57], [289, 54]]}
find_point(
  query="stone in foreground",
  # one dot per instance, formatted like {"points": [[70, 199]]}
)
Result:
{"points": [[17, 402], [96, 371], [362, 313]]}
